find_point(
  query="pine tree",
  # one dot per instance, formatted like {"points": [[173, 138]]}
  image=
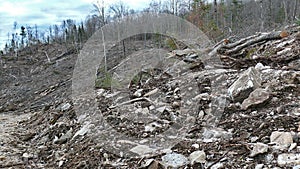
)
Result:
{"points": [[23, 35]]}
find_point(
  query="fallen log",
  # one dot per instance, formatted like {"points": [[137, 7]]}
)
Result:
{"points": [[233, 48]]}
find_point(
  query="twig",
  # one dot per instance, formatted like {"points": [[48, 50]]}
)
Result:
{"points": [[47, 56], [11, 165], [219, 158], [13, 76], [131, 101]]}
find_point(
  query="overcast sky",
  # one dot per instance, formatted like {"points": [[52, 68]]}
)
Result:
{"points": [[48, 12]]}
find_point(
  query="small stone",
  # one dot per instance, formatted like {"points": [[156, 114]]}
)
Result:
{"points": [[196, 146], [282, 139], [258, 148], [269, 158], [138, 93], [259, 166], [182, 52], [293, 145], [296, 167], [27, 155], [217, 166], [255, 57], [2, 158], [176, 104], [100, 92], [177, 90], [174, 160], [197, 157], [60, 163], [85, 129], [215, 134], [147, 162], [152, 126], [64, 138], [65, 107], [161, 109], [259, 66], [142, 150], [202, 96], [201, 114], [151, 164], [151, 107], [254, 139], [279, 109]]}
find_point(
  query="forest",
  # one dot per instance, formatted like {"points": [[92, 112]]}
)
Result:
{"points": [[217, 19]]}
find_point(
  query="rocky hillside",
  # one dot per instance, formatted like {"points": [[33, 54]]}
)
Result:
{"points": [[242, 112]]}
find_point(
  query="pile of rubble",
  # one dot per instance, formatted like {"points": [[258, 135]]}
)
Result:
{"points": [[242, 112]]}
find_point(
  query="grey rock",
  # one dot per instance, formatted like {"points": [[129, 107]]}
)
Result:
{"points": [[259, 66], [183, 52], [245, 84], [161, 109], [100, 92], [282, 139], [84, 129], [142, 150], [258, 148], [257, 97], [174, 160], [178, 68], [60, 163], [196, 146], [293, 145], [65, 107], [150, 164], [64, 138], [288, 159], [147, 162], [259, 166], [295, 64], [27, 155], [217, 166], [152, 126], [197, 157], [138, 93], [211, 135]]}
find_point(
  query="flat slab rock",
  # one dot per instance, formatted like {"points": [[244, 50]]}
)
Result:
{"points": [[257, 97]]}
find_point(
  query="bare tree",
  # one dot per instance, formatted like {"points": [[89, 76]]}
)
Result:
{"points": [[216, 12], [119, 9], [100, 10], [262, 21], [296, 3]]}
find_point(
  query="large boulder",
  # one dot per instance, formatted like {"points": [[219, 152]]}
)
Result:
{"points": [[248, 81]]}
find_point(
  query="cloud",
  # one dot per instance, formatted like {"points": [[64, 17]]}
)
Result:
{"points": [[44, 13]]}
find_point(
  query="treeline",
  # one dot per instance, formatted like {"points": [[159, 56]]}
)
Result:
{"points": [[68, 33], [217, 18]]}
